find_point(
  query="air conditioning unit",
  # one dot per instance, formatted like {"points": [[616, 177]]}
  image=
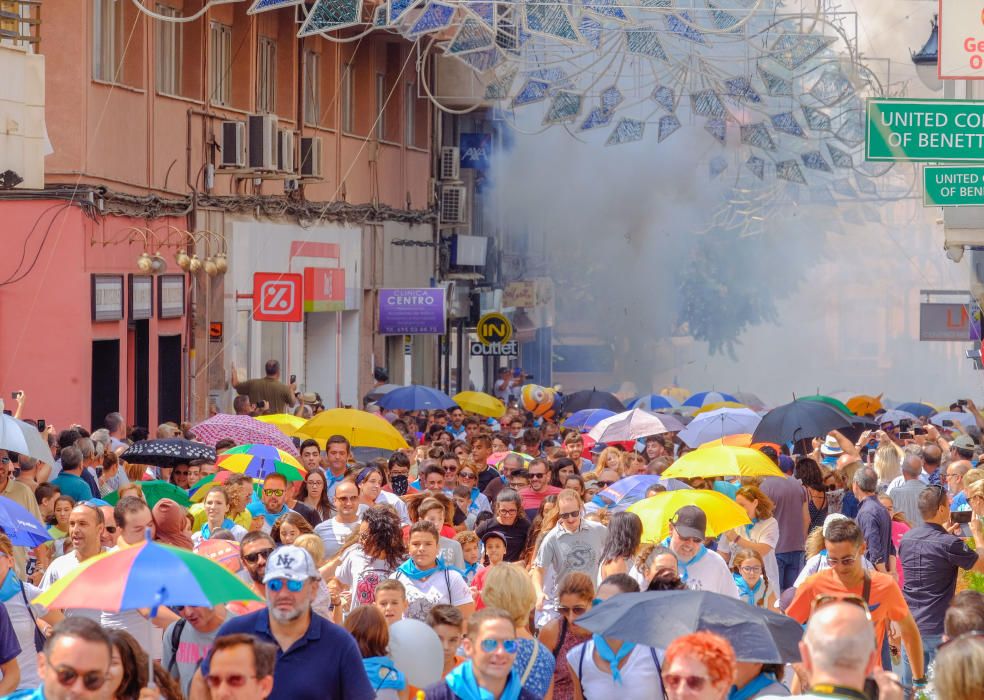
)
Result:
{"points": [[233, 145], [263, 136], [285, 151], [449, 167], [454, 201], [310, 156]]}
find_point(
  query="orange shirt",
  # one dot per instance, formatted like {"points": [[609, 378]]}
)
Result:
{"points": [[885, 601]]}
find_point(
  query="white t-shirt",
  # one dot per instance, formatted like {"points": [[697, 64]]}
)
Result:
{"points": [[24, 627], [391, 499], [61, 567], [442, 588], [361, 574], [334, 533], [710, 573], [763, 532], [640, 674]]}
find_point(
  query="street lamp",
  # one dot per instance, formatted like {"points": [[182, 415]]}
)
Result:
{"points": [[927, 59]]}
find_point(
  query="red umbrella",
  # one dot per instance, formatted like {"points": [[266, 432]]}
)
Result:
{"points": [[242, 429]]}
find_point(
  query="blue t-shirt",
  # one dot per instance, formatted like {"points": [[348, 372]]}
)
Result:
{"points": [[74, 486], [324, 664]]}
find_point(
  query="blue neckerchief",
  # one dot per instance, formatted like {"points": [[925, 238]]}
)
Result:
{"points": [[11, 586], [331, 479], [744, 591], [258, 508], [462, 683], [383, 673], [411, 571], [684, 564], [468, 572], [613, 658], [762, 680], [748, 528], [207, 531]]}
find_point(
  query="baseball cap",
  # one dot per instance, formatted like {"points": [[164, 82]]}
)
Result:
{"points": [[690, 521], [830, 447], [964, 442], [494, 534], [292, 563]]}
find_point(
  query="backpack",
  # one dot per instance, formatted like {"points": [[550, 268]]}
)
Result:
{"points": [[175, 639]]}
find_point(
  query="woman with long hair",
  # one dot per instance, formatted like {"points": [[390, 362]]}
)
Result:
{"points": [[543, 522], [289, 527], [216, 508], [887, 463], [574, 598], [808, 472], [314, 494], [610, 458], [561, 470], [754, 587], [368, 626], [761, 535], [370, 555], [509, 588], [129, 672], [900, 526], [621, 547], [58, 525], [371, 480]]}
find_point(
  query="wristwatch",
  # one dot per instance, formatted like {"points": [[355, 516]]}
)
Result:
{"points": [[919, 682]]}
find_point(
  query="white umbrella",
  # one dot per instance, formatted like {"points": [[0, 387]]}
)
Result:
{"points": [[966, 420], [896, 416], [23, 438], [634, 424], [714, 425]]}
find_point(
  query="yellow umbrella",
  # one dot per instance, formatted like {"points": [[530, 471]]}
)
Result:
{"points": [[864, 405], [480, 403], [287, 423], [675, 392], [722, 460], [722, 513], [360, 428], [720, 404]]}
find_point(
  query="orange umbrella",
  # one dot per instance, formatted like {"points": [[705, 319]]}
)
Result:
{"points": [[741, 440], [864, 405]]}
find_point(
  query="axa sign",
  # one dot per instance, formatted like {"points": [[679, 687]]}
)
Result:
{"points": [[476, 150]]}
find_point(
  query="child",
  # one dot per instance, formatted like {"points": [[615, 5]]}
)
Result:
{"points": [[448, 622], [463, 499], [469, 549], [495, 551], [748, 570], [391, 599]]}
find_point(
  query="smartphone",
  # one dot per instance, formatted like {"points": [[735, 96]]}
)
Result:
{"points": [[42, 425], [293, 379], [962, 402], [948, 424], [99, 471], [961, 516], [400, 483], [919, 431], [905, 435], [16, 395], [905, 424], [871, 689]]}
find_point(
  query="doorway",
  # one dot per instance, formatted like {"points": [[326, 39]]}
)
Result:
{"points": [[169, 378], [105, 392], [141, 374]]}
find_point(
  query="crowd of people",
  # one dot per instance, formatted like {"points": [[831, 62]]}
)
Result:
{"points": [[489, 533]]}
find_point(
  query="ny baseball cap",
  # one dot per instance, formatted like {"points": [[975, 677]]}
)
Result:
{"points": [[291, 563], [689, 521]]}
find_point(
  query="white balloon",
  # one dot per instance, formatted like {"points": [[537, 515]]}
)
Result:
{"points": [[417, 652]]}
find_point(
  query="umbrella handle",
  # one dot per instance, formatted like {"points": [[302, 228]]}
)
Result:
{"points": [[158, 602]]}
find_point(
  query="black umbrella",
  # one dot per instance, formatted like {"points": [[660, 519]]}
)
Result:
{"points": [[656, 618], [167, 453], [858, 425], [799, 420], [580, 400]]}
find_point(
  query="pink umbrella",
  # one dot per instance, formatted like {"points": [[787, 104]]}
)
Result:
{"points": [[242, 429]]}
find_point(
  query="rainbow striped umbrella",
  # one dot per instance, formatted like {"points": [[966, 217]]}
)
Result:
{"points": [[258, 461], [146, 575]]}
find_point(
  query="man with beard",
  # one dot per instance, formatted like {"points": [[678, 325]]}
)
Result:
{"points": [[318, 660]]}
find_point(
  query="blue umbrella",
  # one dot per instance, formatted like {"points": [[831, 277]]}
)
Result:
{"points": [[587, 418], [21, 527], [415, 398], [653, 402], [920, 410], [703, 398], [624, 492]]}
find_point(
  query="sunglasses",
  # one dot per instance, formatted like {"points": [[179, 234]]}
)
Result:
{"points": [[273, 492], [234, 680], [508, 645], [602, 484], [277, 585], [92, 680], [569, 516], [694, 540], [576, 609], [111, 529], [694, 683], [537, 476], [450, 470], [465, 475], [255, 556], [822, 600]]}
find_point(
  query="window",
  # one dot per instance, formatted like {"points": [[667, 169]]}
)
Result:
{"points": [[348, 100], [169, 52], [409, 105], [220, 64], [380, 106], [312, 88], [107, 24], [266, 75]]}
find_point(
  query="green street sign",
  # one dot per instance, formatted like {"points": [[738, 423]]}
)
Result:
{"points": [[924, 130], [953, 186]]}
